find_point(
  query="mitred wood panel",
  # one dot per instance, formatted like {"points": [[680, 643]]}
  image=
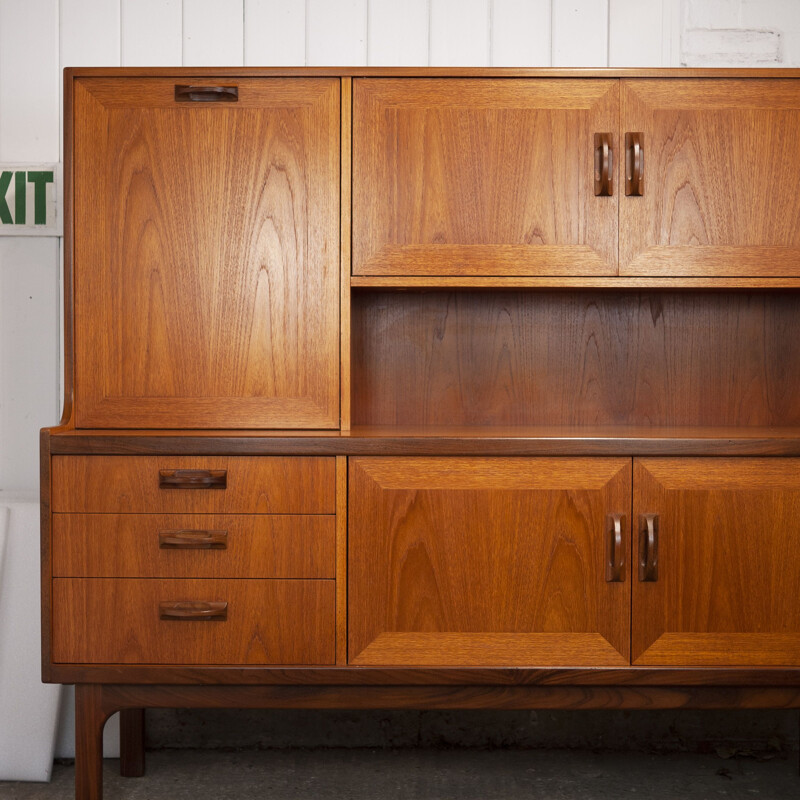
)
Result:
{"points": [[206, 255], [255, 546], [576, 359], [481, 177], [104, 620], [721, 194], [130, 484], [729, 568], [486, 561]]}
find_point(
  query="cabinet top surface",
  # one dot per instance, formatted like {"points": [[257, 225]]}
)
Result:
{"points": [[431, 72]]}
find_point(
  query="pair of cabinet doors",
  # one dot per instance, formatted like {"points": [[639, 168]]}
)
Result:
{"points": [[518, 562], [588, 177]]}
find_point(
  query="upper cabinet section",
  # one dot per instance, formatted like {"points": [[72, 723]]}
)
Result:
{"points": [[720, 189], [206, 252], [479, 176]]}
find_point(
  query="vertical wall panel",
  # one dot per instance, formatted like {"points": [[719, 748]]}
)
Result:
{"points": [[398, 33], [635, 33], [28, 355], [336, 33], [90, 33], [275, 33], [152, 33], [521, 33], [460, 33], [213, 33], [782, 16], [580, 33], [29, 85]]}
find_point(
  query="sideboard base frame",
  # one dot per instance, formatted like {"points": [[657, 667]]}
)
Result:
{"points": [[95, 703]]}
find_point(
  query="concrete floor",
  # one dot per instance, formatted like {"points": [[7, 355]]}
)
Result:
{"points": [[427, 774]]}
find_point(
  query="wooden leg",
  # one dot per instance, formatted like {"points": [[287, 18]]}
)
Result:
{"points": [[89, 721], [131, 742]]}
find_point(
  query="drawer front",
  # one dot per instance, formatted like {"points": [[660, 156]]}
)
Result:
{"points": [[194, 545], [194, 484], [119, 621]]}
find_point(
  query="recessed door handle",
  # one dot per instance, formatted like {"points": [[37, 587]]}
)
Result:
{"points": [[648, 548], [192, 478], [193, 540], [615, 556], [188, 610], [603, 165], [206, 94], [634, 164]]}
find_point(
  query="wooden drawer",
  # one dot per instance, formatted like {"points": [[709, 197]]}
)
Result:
{"points": [[197, 546], [118, 621], [252, 485]]}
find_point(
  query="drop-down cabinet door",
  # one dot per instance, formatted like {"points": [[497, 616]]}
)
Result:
{"points": [[717, 544], [714, 186], [484, 176], [489, 561], [206, 244]]}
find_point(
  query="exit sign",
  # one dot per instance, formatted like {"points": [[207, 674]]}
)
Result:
{"points": [[30, 200]]}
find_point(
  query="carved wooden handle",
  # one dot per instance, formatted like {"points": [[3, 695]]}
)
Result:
{"points": [[603, 165], [192, 478], [648, 548], [193, 540], [634, 164], [193, 610], [206, 94], [615, 561]]}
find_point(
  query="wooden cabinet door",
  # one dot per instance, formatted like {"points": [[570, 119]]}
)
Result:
{"points": [[487, 561], [721, 188], [481, 177], [727, 586], [206, 254]]}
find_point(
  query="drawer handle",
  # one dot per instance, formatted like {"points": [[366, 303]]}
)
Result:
{"points": [[603, 165], [192, 478], [616, 550], [206, 94], [634, 165], [193, 610], [648, 548], [193, 540]]}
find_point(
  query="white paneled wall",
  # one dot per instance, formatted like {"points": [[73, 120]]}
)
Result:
{"points": [[38, 37]]}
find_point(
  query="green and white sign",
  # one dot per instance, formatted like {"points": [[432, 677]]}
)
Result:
{"points": [[30, 200]]}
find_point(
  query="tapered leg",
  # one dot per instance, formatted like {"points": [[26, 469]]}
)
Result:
{"points": [[131, 743], [89, 721]]}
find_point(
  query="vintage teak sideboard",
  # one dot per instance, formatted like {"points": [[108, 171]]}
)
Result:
{"points": [[425, 388]]}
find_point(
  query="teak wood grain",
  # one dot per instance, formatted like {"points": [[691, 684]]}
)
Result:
{"points": [[117, 620], [130, 484], [583, 359], [255, 546], [722, 192], [485, 176], [729, 567], [486, 561], [206, 255]]}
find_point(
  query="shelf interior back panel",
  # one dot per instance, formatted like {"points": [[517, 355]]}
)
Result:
{"points": [[519, 358]]}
